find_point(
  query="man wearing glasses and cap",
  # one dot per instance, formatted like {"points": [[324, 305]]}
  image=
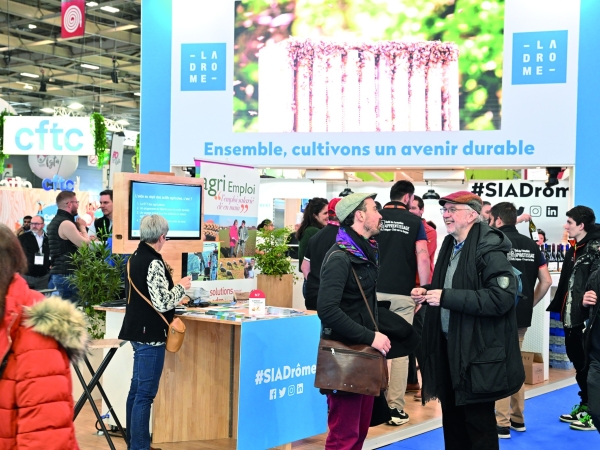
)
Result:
{"points": [[65, 236], [35, 246], [470, 345]]}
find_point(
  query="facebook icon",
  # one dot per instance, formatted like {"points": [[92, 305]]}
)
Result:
{"points": [[203, 67]]}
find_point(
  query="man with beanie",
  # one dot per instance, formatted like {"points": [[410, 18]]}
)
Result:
{"points": [[527, 258], [403, 246], [581, 261], [470, 345], [318, 246], [344, 314]]}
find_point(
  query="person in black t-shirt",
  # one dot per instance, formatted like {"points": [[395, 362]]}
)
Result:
{"points": [[403, 251], [318, 246], [526, 257]]}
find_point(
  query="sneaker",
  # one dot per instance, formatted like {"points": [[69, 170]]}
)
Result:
{"points": [[517, 426], [584, 424], [398, 417], [503, 432], [578, 412]]}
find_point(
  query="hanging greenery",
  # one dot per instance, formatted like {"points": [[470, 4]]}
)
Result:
{"points": [[3, 157], [135, 159], [100, 142]]}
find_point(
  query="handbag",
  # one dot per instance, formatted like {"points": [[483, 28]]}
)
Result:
{"points": [[355, 368], [176, 329]]}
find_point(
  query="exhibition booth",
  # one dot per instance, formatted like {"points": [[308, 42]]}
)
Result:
{"points": [[486, 111]]}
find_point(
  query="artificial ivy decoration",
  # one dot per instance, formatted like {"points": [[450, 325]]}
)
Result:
{"points": [[135, 159], [100, 143], [3, 157]]}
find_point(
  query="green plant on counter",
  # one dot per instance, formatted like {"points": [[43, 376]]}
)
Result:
{"points": [[98, 277], [271, 255], [3, 156], [135, 159], [100, 142]]}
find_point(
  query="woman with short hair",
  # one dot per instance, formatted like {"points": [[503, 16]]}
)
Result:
{"points": [[143, 325]]}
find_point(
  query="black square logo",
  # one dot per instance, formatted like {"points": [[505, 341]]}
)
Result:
{"points": [[551, 211]]}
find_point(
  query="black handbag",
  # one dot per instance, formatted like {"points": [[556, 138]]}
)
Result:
{"points": [[355, 368]]}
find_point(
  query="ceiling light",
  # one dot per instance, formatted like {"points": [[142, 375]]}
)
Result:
{"points": [[92, 4], [431, 195], [123, 122], [110, 9], [75, 105], [137, 93], [89, 66], [28, 87], [30, 75], [47, 110], [32, 26]]}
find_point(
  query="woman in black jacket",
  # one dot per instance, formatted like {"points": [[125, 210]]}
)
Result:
{"points": [[151, 293]]}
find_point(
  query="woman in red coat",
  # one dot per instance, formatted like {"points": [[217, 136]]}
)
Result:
{"points": [[38, 338]]}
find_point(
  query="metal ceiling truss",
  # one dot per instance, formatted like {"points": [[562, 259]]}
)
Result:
{"points": [[108, 38]]}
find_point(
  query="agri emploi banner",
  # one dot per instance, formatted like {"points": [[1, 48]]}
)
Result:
{"points": [[230, 216], [473, 83]]}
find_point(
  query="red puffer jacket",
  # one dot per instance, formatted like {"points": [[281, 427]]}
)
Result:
{"points": [[38, 338]]}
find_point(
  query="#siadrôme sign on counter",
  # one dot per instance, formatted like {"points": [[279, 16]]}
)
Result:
{"points": [[33, 135]]}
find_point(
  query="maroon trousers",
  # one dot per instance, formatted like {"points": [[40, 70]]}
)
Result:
{"points": [[349, 419]]}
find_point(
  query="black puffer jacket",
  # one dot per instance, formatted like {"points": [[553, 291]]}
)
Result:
{"points": [[580, 262], [483, 345], [592, 332], [342, 310]]}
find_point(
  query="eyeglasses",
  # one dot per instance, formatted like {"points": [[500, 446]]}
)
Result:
{"points": [[452, 210]]}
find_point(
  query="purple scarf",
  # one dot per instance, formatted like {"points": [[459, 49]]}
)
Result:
{"points": [[348, 240]]}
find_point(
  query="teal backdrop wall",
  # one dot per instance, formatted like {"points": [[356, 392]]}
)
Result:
{"points": [[588, 103], [155, 111]]}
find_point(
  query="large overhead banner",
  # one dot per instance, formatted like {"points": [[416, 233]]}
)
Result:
{"points": [[396, 83]]}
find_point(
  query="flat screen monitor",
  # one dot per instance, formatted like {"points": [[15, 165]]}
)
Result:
{"points": [[180, 204]]}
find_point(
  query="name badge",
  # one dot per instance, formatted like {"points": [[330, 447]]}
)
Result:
{"points": [[38, 259]]}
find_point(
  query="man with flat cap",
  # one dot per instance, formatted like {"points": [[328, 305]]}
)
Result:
{"points": [[343, 312], [470, 343]]}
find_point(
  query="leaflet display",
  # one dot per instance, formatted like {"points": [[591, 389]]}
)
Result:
{"points": [[181, 205]]}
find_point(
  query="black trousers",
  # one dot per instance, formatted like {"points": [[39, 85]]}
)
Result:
{"points": [[467, 427], [413, 358], [593, 385], [575, 352]]}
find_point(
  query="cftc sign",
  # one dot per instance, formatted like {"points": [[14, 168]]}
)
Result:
{"points": [[72, 18], [60, 135]]}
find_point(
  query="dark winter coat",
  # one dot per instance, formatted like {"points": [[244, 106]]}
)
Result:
{"points": [[592, 332], [483, 358], [340, 305], [580, 262]]}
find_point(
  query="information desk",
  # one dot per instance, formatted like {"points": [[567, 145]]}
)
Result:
{"points": [[251, 381]]}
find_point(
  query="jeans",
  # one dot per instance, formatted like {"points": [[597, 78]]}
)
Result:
{"points": [[64, 288], [148, 362]]}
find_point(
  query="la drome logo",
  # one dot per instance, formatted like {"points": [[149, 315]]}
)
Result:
{"points": [[203, 67], [540, 57]]}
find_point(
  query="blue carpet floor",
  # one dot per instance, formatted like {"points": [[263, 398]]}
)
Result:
{"points": [[544, 430]]}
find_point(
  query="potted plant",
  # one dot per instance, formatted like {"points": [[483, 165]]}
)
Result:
{"points": [[276, 277], [98, 277]]}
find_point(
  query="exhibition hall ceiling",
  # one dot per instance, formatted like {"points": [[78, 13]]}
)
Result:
{"points": [[79, 70]]}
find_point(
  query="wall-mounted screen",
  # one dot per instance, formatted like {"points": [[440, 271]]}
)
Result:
{"points": [[180, 204]]}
